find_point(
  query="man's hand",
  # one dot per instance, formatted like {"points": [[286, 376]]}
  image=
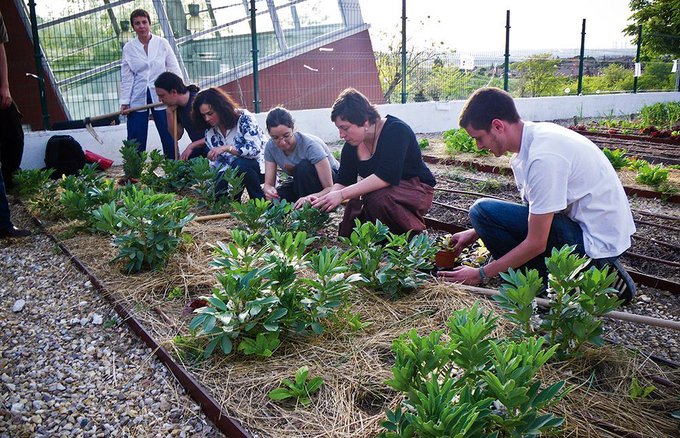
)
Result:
{"points": [[462, 240], [124, 110], [461, 274], [5, 98]]}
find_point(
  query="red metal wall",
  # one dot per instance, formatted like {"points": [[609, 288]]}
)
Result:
{"points": [[20, 60], [314, 79]]}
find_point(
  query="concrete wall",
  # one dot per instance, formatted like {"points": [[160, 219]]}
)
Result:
{"points": [[423, 117]]}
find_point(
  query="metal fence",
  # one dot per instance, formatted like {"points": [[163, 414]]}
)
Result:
{"points": [[215, 44]]}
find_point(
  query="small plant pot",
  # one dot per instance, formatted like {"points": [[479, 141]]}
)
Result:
{"points": [[125, 181], [445, 259]]}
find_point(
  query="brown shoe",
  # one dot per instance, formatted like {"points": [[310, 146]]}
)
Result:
{"points": [[14, 232]]}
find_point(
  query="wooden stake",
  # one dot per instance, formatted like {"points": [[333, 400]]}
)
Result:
{"points": [[212, 217], [174, 133]]}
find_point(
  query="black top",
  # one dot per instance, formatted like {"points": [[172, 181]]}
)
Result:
{"points": [[397, 156], [184, 117]]}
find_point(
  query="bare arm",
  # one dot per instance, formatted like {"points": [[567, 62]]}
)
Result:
{"points": [[269, 187], [5, 96], [335, 196], [323, 169], [533, 245]]}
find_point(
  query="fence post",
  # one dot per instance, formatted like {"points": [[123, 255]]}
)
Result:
{"points": [[37, 53], [403, 51], [253, 32], [506, 67], [581, 59], [637, 59]]}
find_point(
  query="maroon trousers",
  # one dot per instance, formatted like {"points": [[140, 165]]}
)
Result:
{"points": [[400, 207]]}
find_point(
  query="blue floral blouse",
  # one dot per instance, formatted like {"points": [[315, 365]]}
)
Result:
{"points": [[246, 136]]}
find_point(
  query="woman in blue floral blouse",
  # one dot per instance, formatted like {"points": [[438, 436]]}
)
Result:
{"points": [[233, 137]]}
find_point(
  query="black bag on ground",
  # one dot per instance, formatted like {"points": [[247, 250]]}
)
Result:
{"points": [[65, 155]]}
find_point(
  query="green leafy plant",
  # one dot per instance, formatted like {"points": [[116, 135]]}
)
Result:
{"points": [[263, 345], [301, 388], [389, 262], [39, 192], [617, 158], [175, 293], [652, 175], [638, 391], [469, 384], [423, 143], [207, 184], [31, 182], [133, 160], [458, 140], [84, 193], [306, 218], [578, 297], [147, 227], [263, 289]]}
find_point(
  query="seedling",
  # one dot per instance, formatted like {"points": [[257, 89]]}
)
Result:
{"points": [[301, 389]]}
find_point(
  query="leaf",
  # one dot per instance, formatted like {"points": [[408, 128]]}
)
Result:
{"points": [[280, 394], [226, 344]]}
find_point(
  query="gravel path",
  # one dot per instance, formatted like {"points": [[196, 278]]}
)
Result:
{"points": [[68, 366]]}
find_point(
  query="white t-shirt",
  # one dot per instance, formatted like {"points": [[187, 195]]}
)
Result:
{"points": [[560, 171]]}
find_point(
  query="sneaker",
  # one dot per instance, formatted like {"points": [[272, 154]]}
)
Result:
{"points": [[623, 283], [14, 232]]}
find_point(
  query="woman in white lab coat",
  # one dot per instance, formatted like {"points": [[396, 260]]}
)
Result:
{"points": [[144, 59]]}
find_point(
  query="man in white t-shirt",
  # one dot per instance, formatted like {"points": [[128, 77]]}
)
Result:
{"points": [[571, 193]]}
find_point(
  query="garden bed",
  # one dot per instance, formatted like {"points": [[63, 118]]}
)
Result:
{"points": [[436, 153], [353, 364]]}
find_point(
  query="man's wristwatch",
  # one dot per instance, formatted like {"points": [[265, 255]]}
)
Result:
{"points": [[483, 278]]}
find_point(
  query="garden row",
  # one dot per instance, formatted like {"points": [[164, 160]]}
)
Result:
{"points": [[283, 295]]}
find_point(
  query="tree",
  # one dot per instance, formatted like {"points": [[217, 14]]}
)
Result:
{"points": [[389, 62], [537, 75], [660, 22]]}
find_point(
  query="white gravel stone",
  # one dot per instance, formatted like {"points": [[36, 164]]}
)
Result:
{"points": [[57, 364], [18, 305]]}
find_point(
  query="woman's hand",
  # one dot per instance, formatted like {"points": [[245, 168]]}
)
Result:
{"points": [[124, 109], [270, 192], [216, 152], [187, 153], [304, 200], [329, 201]]}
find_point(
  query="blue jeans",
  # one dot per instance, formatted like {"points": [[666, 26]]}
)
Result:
{"points": [[138, 128], [5, 221], [303, 182], [504, 225], [252, 178]]}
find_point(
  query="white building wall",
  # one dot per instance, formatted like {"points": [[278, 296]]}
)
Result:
{"points": [[423, 117]]}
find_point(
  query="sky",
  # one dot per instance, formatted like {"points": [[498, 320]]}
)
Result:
{"points": [[479, 25]]}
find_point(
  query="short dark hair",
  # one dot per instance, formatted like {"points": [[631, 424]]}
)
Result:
{"points": [[354, 107], [139, 13], [280, 116], [485, 105], [220, 102]]}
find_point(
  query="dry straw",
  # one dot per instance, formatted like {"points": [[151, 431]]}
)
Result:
{"points": [[355, 365]]}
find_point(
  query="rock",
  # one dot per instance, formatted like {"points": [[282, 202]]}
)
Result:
{"points": [[18, 305], [97, 319], [17, 408]]}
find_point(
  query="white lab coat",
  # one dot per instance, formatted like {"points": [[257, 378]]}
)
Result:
{"points": [[138, 70]]}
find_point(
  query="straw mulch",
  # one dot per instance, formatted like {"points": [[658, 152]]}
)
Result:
{"points": [[355, 365]]}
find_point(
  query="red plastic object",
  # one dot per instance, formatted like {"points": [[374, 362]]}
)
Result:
{"points": [[103, 162]]}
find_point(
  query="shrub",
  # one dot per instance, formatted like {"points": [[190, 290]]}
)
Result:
{"points": [[147, 227]]}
